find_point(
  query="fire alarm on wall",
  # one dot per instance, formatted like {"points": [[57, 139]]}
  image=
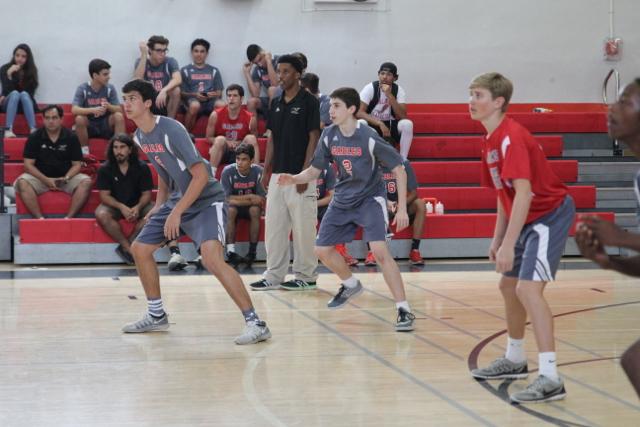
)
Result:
{"points": [[613, 49]]}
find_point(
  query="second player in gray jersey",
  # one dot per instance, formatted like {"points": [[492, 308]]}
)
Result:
{"points": [[194, 207], [359, 199]]}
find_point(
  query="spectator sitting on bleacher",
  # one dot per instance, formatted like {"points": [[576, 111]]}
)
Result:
{"points": [[415, 209], [262, 79], [227, 128], [52, 162], [325, 184], [97, 111], [310, 82], [125, 186], [383, 106], [242, 185], [201, 85], [162, 72], [19, 78]]}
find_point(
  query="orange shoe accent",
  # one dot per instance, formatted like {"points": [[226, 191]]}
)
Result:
{"points": [[415, 258], [370, 261]]}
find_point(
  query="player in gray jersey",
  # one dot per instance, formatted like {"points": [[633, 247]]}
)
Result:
{"points": [[201, 84], [97, 111], [359, 199], [195, 207], [262, 80], [245, 198], [162, 71]]}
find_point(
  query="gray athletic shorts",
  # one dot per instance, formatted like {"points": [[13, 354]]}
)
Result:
{"points": [[541, 244], [340, 225], [207, 224]]}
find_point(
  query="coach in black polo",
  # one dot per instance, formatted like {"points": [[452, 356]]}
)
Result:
{"points": [[294, 122]]}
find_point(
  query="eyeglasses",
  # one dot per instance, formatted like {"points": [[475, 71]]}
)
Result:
{"points": [[165, 50]]}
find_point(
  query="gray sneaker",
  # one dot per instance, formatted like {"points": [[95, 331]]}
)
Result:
{"points": [[148, 323], [343, 296], [502, 368], [253, 333], [543, 389], [177, 262]]}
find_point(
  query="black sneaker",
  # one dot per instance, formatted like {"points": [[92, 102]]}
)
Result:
{"points": [[234, 259], [198, 263], [249, 259], [343, 295], [405, 321], [125, 255], [298, 285], [263, 285]]}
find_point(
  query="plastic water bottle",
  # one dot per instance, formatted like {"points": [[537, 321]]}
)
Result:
{"points": [[429, 207], [439, 208]]}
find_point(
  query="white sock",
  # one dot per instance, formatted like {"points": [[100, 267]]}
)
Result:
{"points": [[403, 304], [405, 129], [231, 247], [214, 169], [350, 283], [547, 365], [515, 350], [85, 150], [154, 307]]}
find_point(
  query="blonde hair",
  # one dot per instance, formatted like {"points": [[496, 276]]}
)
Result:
{"points": [[497, 84]]}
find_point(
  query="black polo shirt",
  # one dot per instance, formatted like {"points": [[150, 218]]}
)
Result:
{"points": [[53, 159], [290, 124], [127, 188]]}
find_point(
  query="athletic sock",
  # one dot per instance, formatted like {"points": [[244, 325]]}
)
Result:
{"points": [[252, 247], [174, 249], [415, 243], [404, 305], [213, 170], [515, 350], [250, 315], [350, 283], [154, 307], [231, 247], [547, 365]]}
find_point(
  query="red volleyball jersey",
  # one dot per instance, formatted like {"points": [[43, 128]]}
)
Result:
{"points": [[511, 152]]}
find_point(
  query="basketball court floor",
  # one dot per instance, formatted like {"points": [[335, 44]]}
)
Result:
{"points": [[64, 361]]}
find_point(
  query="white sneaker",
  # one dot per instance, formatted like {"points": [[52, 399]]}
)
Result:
{"points": [[254, 332], [177, 262], [8, 133]]}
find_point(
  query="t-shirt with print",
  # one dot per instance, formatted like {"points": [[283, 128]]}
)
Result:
{"points": [[236, 184], [201, 79], [232, 129], [160, 75], [511, 152], [390, 184], [170, 150], [53, 159], [358, 158], [86, 97], [382, 111], [261, 75]]}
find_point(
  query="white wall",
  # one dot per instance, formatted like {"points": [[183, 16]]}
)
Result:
{"points": [[551, 49]]}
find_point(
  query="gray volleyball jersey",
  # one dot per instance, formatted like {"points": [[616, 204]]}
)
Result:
{"points": [[389, 179], [86, 97], [159, 76], [172, 153], [358, 158], [236, 184], [198, 80]]}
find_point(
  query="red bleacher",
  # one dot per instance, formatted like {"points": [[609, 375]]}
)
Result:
{"points": [[435, 119]]}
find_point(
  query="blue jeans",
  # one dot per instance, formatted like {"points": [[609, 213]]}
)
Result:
{"points": [[11, 108]]}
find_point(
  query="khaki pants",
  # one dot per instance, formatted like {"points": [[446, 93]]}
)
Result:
{"points": [[287, 211], [41, 188]]}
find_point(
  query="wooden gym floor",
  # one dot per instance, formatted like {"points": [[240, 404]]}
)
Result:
{"points": [[64, 362]]}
